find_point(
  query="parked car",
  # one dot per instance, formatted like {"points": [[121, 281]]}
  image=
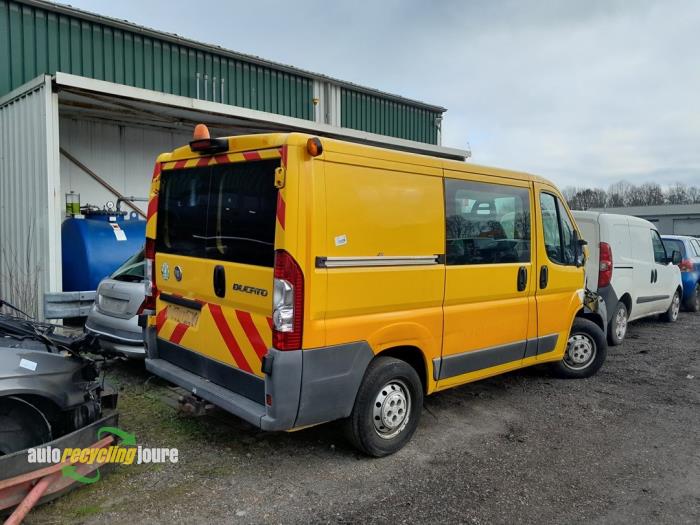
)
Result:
{"points": [[114, 316], [301, 280], [689, 247], [629, 267]]}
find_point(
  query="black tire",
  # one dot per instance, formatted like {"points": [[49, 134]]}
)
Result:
{"points": [[615, 323], [692, 303], [671, 315], [583, 332], [388, 379], [22, 425]]}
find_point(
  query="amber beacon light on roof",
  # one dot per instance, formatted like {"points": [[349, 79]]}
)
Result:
{"points": [[203, 143]]}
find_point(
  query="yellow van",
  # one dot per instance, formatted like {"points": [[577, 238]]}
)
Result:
{"points": [[295, 280]]}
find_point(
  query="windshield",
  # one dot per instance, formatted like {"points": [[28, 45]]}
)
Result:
{"points": [[132, 270], [224, 212]]}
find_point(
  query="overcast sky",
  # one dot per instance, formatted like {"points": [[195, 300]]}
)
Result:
{"points": [[582, 92]]}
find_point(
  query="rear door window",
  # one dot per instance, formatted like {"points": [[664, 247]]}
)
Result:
{"points": [[224, 212], [182, 214], [242, 211]]}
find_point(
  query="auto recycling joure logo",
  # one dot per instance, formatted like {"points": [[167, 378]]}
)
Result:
{"points": [[80, 461]]}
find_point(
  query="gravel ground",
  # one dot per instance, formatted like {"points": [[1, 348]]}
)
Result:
{"points": [[621, 447]]}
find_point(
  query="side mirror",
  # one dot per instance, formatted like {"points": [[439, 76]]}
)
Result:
{"points": [[580, 253], [676, 257]]}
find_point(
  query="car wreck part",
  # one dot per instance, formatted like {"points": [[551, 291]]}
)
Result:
{"points": [[23, 485], [47, 387]]}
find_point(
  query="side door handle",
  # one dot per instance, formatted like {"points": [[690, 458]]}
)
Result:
{"points": [[219, 281], [522, 278], [544, 276]]}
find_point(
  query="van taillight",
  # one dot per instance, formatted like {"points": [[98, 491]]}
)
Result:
{"points": [[606, 265], [686, 265], [149, 281], [287, 303]]}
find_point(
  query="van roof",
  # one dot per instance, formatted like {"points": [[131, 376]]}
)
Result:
{"points": [[601, 216], [239, 143], [678, 237]]}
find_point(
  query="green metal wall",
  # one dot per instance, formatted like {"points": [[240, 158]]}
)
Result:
{"points": [[34, 41], [387, 117]]}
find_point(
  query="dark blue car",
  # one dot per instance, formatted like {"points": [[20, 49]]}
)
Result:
{"points": [[690, 267]]}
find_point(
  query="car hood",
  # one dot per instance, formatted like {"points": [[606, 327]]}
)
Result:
{"points": [[27, 367]]}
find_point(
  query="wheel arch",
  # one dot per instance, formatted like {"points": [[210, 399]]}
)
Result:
{"points": [[596, 317], [626, 299], [414, 357]]}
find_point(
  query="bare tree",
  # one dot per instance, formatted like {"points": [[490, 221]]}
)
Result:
{"points": [[20, 277], [678, 194], [622, 194], [652, 194]]}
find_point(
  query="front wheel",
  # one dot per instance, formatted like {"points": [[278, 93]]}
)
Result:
{"points": [[22, 425], [585, 352], [387, 408], [617, 328], [671, 315]]}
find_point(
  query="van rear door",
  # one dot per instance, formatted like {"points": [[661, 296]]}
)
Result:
{"points": [[214, 264]]}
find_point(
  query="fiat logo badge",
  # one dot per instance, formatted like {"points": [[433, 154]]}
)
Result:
{"points": [[165, 271], [178, 273]]}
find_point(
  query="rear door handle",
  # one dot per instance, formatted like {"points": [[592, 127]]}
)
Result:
{"points": [[522, 278], [544, 276], [219, 281]]}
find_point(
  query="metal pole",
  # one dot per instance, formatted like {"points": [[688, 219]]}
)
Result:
{"points": [[103, 182]]}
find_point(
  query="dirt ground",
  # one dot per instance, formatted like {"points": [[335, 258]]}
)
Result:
{"points": [[621, 447]]}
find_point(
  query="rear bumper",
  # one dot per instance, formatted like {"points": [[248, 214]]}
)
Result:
{"points": [[121, 331], [127, 343], [304, 387]]}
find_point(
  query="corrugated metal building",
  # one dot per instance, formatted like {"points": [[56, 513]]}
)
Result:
{"points": [[84, 97], [38, 38]]}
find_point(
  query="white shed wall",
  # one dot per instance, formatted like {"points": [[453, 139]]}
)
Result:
{"points": [[120, 154], [29, 196]]}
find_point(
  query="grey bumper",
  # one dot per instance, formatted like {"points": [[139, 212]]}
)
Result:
{"points": [[301, 387]]}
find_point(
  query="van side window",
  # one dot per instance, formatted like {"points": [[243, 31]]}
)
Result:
{"points": [[659, 250], [559, 238], [486, 223]]}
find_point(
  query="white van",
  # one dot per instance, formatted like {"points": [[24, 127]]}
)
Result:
{"points": [[630, 269]]}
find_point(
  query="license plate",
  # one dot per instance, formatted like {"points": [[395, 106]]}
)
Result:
{"points": [[113, 305], [183, 315]]}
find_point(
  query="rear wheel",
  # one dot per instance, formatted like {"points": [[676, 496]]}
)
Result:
{"points": [[671, 315], [692, 303], [22, 425], [387, 408], [617, 328], [585, 352]]}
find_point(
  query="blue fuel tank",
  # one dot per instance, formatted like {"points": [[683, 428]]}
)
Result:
{"points": [[93, 247]]}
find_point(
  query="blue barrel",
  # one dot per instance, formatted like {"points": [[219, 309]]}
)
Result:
{"points": [[94, 246]]}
